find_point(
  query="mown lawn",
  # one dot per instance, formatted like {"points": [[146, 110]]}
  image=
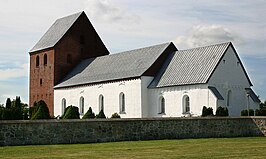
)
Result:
{"points": [[252, 147]]}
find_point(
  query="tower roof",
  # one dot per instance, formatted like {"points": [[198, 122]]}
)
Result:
{"points": [[56, 32]]}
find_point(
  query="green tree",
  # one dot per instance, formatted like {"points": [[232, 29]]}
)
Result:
{"points": [[8, 103], [71, 112], [41, 111], [101, 115], [115, 115], [89, 114], [207, 111], [222, 111]]}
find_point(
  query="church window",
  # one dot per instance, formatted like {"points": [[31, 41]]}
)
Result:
{"points": [[161, 105], [101, 103], [186, 104], [40, 82], [122, 103], [229, 96], [63, 105], [37, 61], [45, 59], [69, 59], [81, 105]]}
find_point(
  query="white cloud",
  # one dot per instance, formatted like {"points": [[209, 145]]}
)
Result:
{"points": [[201, 35], [108, 11], [11, 73]]}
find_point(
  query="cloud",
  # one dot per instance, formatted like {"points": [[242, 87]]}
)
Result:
{"points": [[201, 35], [108, 11], [12, 73]]}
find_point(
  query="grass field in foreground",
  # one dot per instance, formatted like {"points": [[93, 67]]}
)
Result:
{"points": [[252, 147]]}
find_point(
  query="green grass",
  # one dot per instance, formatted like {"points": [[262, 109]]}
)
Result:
{"points": [[252, 147]]}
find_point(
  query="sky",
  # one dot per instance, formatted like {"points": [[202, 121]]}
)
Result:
{"points": [[126, 24]]}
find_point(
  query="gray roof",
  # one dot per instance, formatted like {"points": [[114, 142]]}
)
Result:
{"points": [[216, 93], [113, 67], [253, 96], [55, 32], [191, 66]]}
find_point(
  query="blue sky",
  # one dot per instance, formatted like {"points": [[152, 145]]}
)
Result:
{"points": [[125, 25]]}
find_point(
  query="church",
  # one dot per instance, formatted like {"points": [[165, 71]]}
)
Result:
{"points": [[70, 65]]}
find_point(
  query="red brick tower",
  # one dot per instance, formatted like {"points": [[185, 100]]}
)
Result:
{"points": [[68, 41]]}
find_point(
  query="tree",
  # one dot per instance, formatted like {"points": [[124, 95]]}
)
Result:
{"points": [[101, 115], [8, 103], [207, 111], [89, 114], [41, 111], [71, 112], [222, 111], [246, 113]]}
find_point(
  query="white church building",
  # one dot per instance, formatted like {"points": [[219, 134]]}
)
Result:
{"points": [[155, 81], [208, 76]]}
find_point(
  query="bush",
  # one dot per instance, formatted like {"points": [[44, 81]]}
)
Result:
{"points": [[89, 114], [101, 115], [8, 103], [207, 111], [41, 111], [222, 111], [71, 112], [115, 115], [7, 114], [261, 112], [245, 112]]}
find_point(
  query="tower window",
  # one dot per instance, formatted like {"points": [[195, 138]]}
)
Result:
{"points": [[69, 59], [41, 82], [37, 61], [45, 59]]}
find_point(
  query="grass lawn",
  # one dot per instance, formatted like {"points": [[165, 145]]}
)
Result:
{"points": [[251, 147]]}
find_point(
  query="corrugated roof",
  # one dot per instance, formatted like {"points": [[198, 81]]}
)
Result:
{"points": [[191, 66], [216, 93], [112, 67], [55, 32]]}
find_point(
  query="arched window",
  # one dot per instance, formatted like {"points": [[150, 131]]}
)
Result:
{"points": [[229, 98], [40, 82], [69, 58], [37, 61], [101, 103], [45, 59], [63, 105], [186, 104], [81, 105], [161, 105], [122, 103]]}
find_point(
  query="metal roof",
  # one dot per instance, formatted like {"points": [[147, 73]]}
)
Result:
{"points": [[192, 66], [216, 93], [117, 66], [55, 32]]}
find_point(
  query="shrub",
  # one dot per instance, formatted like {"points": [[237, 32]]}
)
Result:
{"points": [[222, 111], [41, 111], [261, 112], [115, 115], [207, 111], [245, 112], [8, 103], [71, 112], [7, 114], [89, 114], [101, 115]]}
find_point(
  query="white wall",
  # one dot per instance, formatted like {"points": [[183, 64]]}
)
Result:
{"points": [[199, 96], [145, 81], [110, 91], [229, 75]]}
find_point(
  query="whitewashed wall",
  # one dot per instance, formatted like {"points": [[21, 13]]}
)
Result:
{"points": [[110, 91], [229, 75], [199, 96]]}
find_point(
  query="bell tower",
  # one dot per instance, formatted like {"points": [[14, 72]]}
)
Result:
{"points": [[67, 42]]}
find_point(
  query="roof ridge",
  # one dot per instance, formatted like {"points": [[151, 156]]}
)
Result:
{"points": [[223, 43]]}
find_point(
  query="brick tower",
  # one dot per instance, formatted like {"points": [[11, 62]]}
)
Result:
{"points": [[67, 42]]}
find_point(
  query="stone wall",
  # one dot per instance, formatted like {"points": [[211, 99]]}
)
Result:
{"points": [[107, 130]]}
